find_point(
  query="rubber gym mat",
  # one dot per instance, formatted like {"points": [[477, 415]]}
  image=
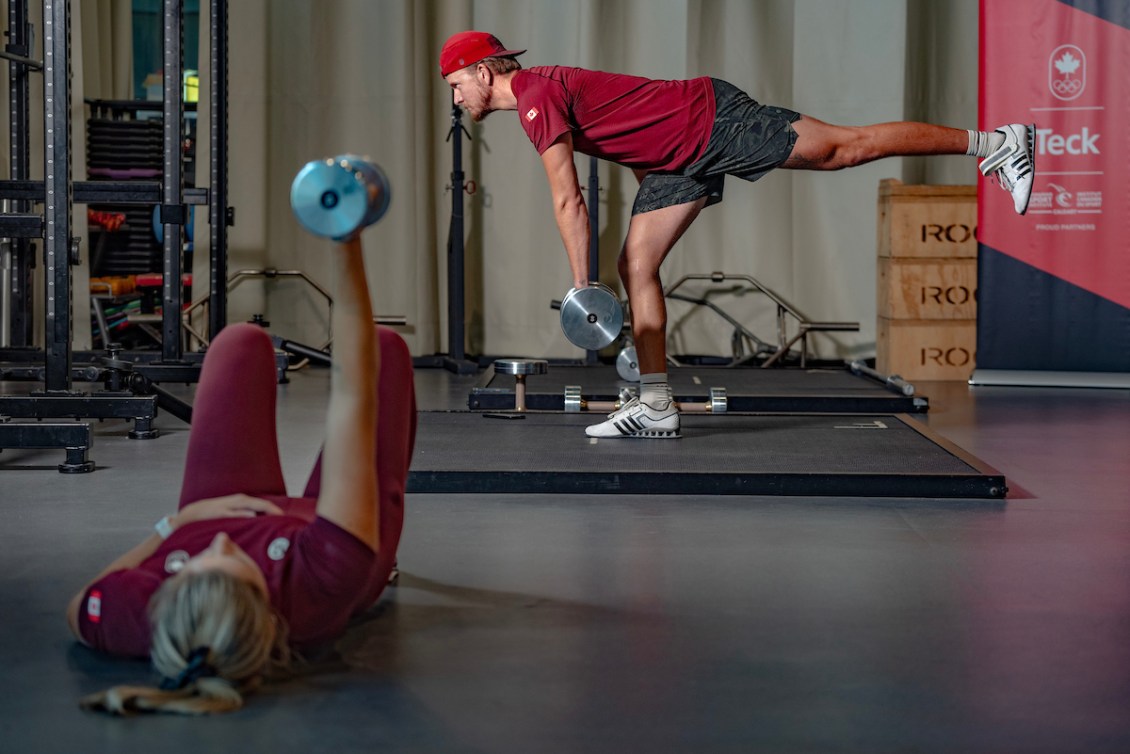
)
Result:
{"points": [[890, 455], [748, 389]]}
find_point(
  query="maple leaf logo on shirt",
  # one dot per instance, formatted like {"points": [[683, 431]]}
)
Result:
{"points": [[532, 113]]}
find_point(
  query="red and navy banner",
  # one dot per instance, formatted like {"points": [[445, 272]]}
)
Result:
{"points": [[1054, 285]]}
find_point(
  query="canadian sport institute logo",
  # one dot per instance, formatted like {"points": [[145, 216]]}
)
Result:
{"points": [[1067, 72]]}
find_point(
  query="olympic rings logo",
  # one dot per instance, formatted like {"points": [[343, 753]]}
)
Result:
{"points": [[1067, 86]]}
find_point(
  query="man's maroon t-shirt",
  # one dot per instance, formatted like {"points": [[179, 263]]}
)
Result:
{"points": [[641, 123], [318, 576]]}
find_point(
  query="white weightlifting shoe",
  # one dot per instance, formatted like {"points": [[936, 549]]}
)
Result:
{"points": [[1014, 163], [637, 419]]}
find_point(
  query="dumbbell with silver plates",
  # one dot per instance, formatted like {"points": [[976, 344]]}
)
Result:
{"points": [[574, 403], [520, 368], [591, 317]]}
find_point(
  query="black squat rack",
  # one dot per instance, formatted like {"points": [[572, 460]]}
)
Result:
{"points": [[130, 391]]}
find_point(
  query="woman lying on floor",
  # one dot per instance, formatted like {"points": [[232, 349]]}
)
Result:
{"points": [[241, 573]]}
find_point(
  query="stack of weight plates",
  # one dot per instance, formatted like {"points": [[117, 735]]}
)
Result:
{"points": [[124, 150]]}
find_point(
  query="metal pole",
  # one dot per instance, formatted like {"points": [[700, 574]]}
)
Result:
{"points": [[18, 304], [455, 304], [5, 290], [591, 356], [57, 184], [173, 210], [218, 212]]}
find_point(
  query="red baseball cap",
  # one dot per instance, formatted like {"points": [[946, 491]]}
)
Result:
{"points": [[469, 47]]}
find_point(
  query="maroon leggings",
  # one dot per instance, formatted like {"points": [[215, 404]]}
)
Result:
{"points": [[233, 445]]}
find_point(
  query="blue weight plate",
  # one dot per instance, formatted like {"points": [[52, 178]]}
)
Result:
{"points": [[376, 185], [328, 199]]}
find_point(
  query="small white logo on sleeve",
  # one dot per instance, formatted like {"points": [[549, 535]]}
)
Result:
{"points": [[277, 549], [94, 606], [532, 113], [175, 561]]}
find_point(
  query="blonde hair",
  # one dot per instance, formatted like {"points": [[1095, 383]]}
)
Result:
{"points": [[214, 639], [500, 65]]}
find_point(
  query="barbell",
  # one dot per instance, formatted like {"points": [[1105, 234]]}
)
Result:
{"points": [[339, 196], [575, 403]]}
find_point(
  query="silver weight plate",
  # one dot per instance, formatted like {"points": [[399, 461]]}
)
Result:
{"points": [[627, 366], [521, 366], [592, 317]]}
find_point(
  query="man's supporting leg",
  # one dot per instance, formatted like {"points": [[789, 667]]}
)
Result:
{"points": [[650, 237], [232, 446], [396, 436], [655, 391]]}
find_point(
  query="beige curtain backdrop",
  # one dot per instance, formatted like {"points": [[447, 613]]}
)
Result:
{"points": [[313, 78], [362, 76]]}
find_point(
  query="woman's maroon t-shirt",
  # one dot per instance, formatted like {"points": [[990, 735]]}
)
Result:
{"points": [[318, 576]]}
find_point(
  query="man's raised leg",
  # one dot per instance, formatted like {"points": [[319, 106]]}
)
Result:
{"points": [[1009, 153]]}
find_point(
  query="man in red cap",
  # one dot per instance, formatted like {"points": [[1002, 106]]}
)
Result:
{"points": [[681, 138]]}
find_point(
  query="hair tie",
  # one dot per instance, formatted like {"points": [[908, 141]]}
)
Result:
{"points": [[197, 667]]}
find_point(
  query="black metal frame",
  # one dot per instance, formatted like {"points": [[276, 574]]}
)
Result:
{"points": [[591, 356], [456, 358], [75, 438], [174, 213], [58, 194], [19, 43]]}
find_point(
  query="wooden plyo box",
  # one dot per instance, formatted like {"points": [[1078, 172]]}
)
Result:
{"points": [[927, 281], [938, 222], [939, 349], [927, 288]]}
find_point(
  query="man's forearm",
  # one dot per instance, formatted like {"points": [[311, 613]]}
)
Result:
{"points": [[573, 224]]}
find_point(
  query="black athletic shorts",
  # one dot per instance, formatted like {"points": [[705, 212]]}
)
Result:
{"points": [[748, 140]]}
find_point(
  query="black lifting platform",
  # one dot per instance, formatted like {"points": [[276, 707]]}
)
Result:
{"points": [[848, 389], [889, 455]]}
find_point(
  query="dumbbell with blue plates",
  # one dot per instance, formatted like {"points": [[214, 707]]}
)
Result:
{"points": [[339, 196]]}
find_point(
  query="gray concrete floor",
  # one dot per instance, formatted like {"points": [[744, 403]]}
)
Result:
{"points": [[624, 624]]}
